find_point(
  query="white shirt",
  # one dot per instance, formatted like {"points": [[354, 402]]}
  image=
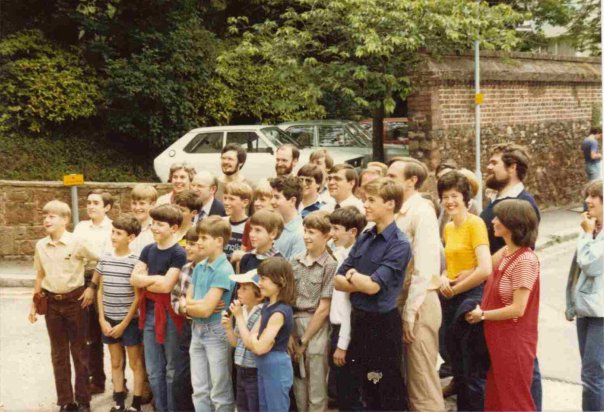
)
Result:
{"points": [[351, 200], [417, 220], [340, 310], [97, 236], [165, 199], [144, 238], [513, 192], [205, 209]]}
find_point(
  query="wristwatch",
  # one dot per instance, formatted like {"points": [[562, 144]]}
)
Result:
{"points": [[299, 342], [349, 276], [93, 286], [482, 315]]}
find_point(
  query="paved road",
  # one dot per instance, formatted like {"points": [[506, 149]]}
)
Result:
{"points": [[26, 380]]}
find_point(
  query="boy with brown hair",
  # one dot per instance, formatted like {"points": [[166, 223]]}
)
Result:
{"points": [[59, 261], [142, 199], [373, 274], [210, 351], [265, 226], [189, 204], [157, 272], [118, 311], [237, 198], [287, 194]]}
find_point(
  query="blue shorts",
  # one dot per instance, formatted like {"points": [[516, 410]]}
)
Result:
{"points": [[132, 335]]}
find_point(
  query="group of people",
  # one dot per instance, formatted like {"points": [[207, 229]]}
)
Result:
{"points": [[322, 286]]}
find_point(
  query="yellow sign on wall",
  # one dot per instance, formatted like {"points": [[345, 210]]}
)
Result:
{"points": [[478, 98], [73, 180]]}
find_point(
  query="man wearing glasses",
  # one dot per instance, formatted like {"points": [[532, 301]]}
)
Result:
{"points": [[311, 177]]}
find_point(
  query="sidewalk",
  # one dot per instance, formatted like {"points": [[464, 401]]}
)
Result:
{"points": [[556, 226]]}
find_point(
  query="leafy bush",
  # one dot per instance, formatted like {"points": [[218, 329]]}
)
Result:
{"points": [[42, 86]]}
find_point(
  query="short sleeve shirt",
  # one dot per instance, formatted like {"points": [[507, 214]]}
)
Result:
{"points": [[236, 239], [313, 282], [159, 261], [522, 273], [589, 144], [291, 241], [461, 242], [118, 294], [213, 275]]}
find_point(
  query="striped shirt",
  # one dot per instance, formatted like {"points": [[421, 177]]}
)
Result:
{"points": [[522, 273], [118, 294], [243, 356]]}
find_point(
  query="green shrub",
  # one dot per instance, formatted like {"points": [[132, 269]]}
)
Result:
{"points": [[42, 86]]}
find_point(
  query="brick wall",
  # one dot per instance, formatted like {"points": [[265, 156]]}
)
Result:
{"points": [[543, 102], [21, 206]]}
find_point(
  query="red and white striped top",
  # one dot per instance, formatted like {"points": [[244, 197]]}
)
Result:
{"points": [[522, 273]]}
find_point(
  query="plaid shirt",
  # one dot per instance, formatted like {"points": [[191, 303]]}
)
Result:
{"points": [[314, 280], [181, 287], [243, 356]]}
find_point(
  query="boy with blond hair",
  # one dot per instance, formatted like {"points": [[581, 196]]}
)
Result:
{"points": [[142, 199], [210, 351], [59, 260]]}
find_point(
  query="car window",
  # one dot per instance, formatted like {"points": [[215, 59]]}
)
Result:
{"points": [[361, 135], [205, 143], [278, 137], [337, 136], [302, 134], [250, 141]]}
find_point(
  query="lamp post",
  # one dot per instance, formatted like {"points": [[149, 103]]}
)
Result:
{"points": [[478, 98]]}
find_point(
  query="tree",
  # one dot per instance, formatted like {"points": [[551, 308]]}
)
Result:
{"points": [[586, 26], [366, 49]]}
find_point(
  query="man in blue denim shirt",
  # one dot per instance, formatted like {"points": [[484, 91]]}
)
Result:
{"points": [[373, 274]]}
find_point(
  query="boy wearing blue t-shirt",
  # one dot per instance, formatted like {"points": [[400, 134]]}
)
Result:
{"points": [[157, 272], [210, 351]]}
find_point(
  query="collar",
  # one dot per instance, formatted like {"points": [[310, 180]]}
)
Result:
{"points": [[294, 223], [388, 234], [147, 225], [207, 207], [106, 222], [220, 260], [410, 203], [271, 252], [321, 260], [66, 238], [512, 192], [349, 201]]}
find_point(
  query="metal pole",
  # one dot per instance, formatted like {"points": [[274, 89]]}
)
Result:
{"points": [[477, 102], [602, 97], [75, 210]]}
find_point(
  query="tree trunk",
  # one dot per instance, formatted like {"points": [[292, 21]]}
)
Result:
{"points": [[378, 133]]}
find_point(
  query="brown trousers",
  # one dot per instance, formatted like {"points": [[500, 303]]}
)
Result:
{"points": [[66, 325], [423, 382]]}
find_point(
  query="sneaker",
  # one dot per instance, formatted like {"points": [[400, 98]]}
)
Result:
{"points": [[69, 407]]}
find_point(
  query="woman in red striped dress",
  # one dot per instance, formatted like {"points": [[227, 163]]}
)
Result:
{"points": [[510, 309]]}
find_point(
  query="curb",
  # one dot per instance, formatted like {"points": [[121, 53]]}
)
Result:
{"points": [[556, 239]]}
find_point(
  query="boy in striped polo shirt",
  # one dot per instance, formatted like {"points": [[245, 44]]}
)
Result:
{"points": [[118, 310]]}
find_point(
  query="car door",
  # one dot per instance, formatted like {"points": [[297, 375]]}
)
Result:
{"points": [[260, 162]]}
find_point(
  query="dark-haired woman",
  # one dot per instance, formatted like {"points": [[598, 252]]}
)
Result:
{"points": [[510, 309], [468, 265]]}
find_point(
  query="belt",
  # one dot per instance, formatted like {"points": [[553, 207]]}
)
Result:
{"points": [[74, 294], [304, 312]]}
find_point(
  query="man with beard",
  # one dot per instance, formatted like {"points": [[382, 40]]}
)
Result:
{"points": [[286, 159], [232, 159], [506, 171]]}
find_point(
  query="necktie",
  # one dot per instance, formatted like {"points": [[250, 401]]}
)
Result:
{"points": [[337, 206]]}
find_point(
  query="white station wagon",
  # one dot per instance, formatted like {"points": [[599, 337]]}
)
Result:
{"points": [[201, 148]]}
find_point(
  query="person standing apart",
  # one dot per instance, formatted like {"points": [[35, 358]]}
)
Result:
{"points": [[373, 274], [510, 309], [591, 154], [585, 299]]}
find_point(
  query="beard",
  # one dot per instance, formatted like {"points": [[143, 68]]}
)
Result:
{"points": [[231, 171], [284, 170], [492, 183]]}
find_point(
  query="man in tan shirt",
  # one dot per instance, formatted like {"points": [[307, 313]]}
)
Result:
{"points": [[59, 261], [419, 302]]}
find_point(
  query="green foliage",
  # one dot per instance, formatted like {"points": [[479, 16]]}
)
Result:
{"points": [[100, 160], [42, 86], [586, 26]]}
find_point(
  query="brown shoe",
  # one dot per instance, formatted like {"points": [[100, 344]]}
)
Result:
{"points": [[147, 395], [96, 389], [450, 389]]}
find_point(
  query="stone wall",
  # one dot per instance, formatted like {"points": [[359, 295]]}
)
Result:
{"points": [[543, 102], [21, 206]]}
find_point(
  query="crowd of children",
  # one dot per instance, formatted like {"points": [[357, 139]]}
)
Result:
{"points": [[291, 294]]}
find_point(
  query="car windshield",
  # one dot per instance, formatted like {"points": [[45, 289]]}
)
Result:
{"points": [[359, 134], [277, 136]]}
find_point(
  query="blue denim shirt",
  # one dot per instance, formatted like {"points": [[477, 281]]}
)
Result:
{"points": [[585, 295], [383, 256], [213, 275]]}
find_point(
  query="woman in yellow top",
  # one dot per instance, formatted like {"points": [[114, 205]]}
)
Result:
{"points": [[468, 264]]}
